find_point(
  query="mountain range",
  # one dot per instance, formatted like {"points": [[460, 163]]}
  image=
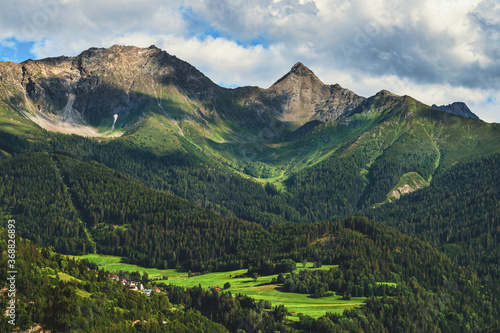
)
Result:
{"points": [[81, 94], [167, 169]]}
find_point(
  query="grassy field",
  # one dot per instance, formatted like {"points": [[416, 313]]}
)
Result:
{"points": [[259, 290], [115, 264], [298, 303]]}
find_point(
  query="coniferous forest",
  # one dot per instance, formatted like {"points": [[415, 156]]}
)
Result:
{"points": [[429, 291]]}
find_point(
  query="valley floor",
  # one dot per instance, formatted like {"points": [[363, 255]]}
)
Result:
{"points": [[259, 290]]}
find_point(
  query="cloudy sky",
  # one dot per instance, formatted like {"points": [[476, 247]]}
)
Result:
{"points": [[438, 51]]}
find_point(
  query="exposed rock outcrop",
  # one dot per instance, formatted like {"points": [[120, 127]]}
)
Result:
{"points": [[457, 108], [304, 97]]}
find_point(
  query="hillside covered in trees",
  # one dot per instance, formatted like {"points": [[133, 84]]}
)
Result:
{"points": [[426, 291]]}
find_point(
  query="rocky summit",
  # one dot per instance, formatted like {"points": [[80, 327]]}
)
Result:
{"points": [[79, 94], [457, 108]]}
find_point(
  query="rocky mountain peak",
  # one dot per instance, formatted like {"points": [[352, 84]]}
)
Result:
{"points": [[300, 96], [301, 70], [297, 72], [67, 94], [384, 92], [457, 108]]}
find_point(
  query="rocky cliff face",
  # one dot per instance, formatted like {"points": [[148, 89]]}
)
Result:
{"points": [[457, 108], [81, 94], [91, 88], [304, 97]]}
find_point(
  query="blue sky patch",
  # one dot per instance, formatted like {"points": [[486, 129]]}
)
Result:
{"points": [[12, 49], [227, 85]]}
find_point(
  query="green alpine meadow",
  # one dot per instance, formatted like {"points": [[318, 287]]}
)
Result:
{"points": [[147, 198]]}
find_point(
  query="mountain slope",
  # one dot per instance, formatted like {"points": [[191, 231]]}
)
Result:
{"points": [[68, 94], [58, 294], [458, 212]]}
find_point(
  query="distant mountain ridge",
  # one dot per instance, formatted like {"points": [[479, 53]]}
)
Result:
{"points": [[457, 108], [159, 103], [80, 94]]}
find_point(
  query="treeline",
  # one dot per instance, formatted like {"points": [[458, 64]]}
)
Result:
{"points": [[458, 212], [333, 188], [186, 173]]}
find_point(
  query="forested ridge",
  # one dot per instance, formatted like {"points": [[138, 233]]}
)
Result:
{"points": [[459, 213], [157, 229], [434, 295]]}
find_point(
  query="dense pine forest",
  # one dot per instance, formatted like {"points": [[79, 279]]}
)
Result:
{"points": [[459, 213], [68, 295], [463, 200]]}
